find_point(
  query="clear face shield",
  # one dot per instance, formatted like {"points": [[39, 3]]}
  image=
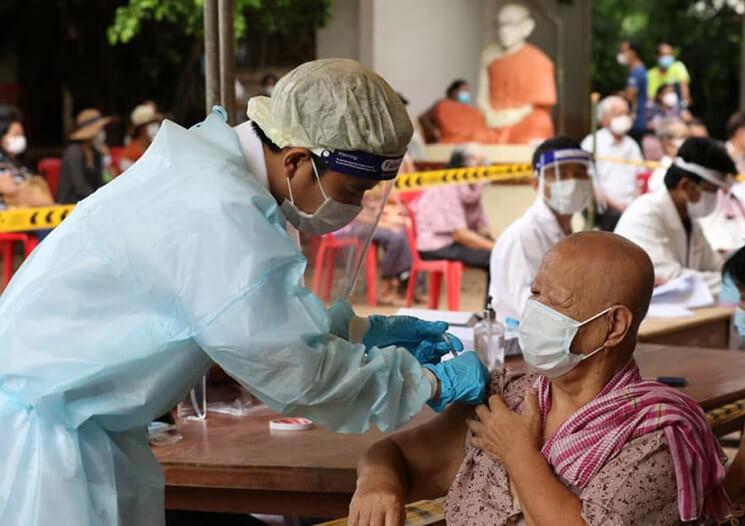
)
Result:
{"points": [[565, 180], [344, 264]]}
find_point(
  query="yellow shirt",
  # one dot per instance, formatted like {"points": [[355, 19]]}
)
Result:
{"points": [[675, 74]]}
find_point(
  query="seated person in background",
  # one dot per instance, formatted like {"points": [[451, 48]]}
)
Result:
{"points": [[666, 104], [454, 119], [665, 223], [19, 188], [450, 219], [671, 133], [564, 188], [145, 125], [587, 442], [615, 182], [82, 168]]}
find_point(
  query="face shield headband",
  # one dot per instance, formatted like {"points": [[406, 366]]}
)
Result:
{"points": [[360, 164]]}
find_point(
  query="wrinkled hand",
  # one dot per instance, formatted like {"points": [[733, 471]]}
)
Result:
{"points": [[376, 506], [505, 434]]}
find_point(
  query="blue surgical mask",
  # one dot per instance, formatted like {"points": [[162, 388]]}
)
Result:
{"points": [[740, 323], [464, 97], [666, 61], [546, 337]]}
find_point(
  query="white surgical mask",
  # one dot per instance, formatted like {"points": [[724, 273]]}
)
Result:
{"points": [[621, 59], [152, 129], [621, 124], [705, 205], [570, 196], [670, 99], [331, 215], [546, 336], [677, 143], [16, 144]]}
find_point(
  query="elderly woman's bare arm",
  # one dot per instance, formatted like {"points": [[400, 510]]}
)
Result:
{"points": [[416, 464]]}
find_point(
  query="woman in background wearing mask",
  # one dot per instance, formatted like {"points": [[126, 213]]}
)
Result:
{"points": [[145, 125], [83, 163], [18, 186], [454, 119], [666, 105]]}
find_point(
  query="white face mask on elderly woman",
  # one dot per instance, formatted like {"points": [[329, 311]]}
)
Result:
{"points": [[546, 339]]}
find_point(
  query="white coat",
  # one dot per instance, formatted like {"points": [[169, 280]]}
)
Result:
{"points": [[653, 223], [517, 255]]}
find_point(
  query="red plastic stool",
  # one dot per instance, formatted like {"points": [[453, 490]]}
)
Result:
{"points": [[323, 275], [7, 241]]}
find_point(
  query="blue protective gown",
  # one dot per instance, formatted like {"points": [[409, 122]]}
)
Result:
{"points": [[182, 261]]}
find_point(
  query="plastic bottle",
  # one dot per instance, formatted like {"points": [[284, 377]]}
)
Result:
{"points": [[489, 339]]}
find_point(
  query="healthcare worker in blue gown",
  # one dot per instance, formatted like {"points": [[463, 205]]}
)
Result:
{"points": [[183, 261]]}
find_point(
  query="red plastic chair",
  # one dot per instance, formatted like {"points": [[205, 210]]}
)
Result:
{"points": [[7, 240], [452, 271], [49, 169], [642, 181], [325, 256]]}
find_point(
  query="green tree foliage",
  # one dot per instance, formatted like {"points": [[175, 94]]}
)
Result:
{"points": [[706, 35]]}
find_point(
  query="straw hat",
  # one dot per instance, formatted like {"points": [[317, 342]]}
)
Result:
{"points": [[89, 122], [144, 114]]}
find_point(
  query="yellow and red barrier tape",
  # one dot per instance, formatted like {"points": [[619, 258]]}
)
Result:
{"points": [[24, 219]]}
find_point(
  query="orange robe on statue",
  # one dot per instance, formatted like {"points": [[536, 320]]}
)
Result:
{"points": [[524, 77], [458, 122]]}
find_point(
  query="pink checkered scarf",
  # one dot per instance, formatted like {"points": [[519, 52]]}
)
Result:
{"points": [[629, 407]]}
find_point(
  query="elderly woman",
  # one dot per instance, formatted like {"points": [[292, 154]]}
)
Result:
{"points": [[587, 440]]}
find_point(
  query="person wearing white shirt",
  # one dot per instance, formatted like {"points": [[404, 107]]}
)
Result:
{"points": [[615, 182], [564, 188], [666, 223]]}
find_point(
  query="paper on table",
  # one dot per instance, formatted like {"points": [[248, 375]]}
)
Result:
{"points": [[688, 291], [668, 310], [449, 316]]}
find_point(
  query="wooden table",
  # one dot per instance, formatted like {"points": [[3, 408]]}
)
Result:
{"points": [[237, 465], [709, 327]]}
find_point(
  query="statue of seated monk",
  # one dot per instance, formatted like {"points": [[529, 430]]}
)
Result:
{"points": [[517, 88]]}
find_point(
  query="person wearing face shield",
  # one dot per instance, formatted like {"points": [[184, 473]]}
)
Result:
{"points": [[615, 182], [564, 189], [201, 271], [666, 224]]}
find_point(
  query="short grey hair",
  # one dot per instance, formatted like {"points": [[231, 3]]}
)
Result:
{"points": [[665, 125], [607, 103]]}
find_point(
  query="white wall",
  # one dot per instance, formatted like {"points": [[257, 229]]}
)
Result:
{"points": [[419, 46], [341, 37]]}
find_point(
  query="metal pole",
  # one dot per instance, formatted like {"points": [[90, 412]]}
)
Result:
{"points": [[211, 55], [227, 58]]}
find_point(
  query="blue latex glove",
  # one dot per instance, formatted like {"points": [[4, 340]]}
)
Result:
{"points": [[423, 339], [463, 379]]}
